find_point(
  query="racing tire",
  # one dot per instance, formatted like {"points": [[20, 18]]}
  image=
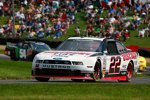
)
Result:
{"points": [[129, 73], [12, 55], [41, 79], [77, 80], [97, 71]]}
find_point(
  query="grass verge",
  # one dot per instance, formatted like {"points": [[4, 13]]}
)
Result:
{"points": [[15, 69], [1, 51], [75, 91]]}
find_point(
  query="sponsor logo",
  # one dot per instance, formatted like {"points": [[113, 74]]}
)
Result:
{"points": [[135, 62], [56, 66], [128, 56], [68, 53], [57, 58]]}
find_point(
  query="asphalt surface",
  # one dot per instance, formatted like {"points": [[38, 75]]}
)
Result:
{"points": [[64, 81], [4, 57]]}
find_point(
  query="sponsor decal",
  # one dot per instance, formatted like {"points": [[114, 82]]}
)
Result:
{"points": [[128, 56], [56, 66], [57, 58], [124, 66], [65, 54], [135, 62]]}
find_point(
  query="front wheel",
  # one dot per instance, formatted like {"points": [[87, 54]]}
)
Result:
{"points": [[97, 71], [41, 79]]}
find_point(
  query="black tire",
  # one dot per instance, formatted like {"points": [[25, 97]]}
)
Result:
{"points": [[13, 55], [97, 74], [41, 79], [129, 73], [77, 80]]}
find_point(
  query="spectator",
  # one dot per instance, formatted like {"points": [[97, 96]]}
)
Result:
{"points": [[32, 34], [40, 33], [127, 34], [49, 31], [123, 35], [141, 33], [34, 15], [127, 24], [1, 31], [57, 34], [117, 35], [89, 30], [77, 31], [97, 31], [1, 6], [111, 29]]}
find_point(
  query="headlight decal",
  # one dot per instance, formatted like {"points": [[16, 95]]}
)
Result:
{"points": [[39, 61], [77, 63]]}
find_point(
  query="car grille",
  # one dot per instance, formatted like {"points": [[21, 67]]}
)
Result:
{"points": [[57, 72], [56, 62]]}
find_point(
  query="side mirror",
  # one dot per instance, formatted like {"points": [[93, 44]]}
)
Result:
{"points": [[105, 52]]}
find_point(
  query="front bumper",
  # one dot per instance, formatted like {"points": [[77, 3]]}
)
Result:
{"points": [[61, 73]]}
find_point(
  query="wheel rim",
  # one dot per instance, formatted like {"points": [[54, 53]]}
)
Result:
{"points": [[129, 69]]}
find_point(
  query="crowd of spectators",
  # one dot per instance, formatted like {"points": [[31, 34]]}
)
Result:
{"points": [[122, 17], [38, 18], [52, 18]]}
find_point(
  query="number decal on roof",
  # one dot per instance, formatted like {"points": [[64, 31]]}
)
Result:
{"points": [[115, 65]]}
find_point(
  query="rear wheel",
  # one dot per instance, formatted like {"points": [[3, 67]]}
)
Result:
{"points": [[97, 71], [129, 73], [41, 79]]}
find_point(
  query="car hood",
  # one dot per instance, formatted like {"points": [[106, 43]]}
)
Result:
{"points": [[65, 55]]}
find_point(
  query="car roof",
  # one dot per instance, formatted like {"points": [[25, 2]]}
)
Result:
{"points": [[89, 38], [36, 42]]}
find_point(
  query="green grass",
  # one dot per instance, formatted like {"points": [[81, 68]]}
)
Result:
{"points": [[148, 64], [3, 20], [140, 75], [135, 40], [15, 69], [1, 51], [75, 91]]}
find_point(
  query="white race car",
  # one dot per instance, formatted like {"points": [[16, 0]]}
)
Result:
{"points": [[86, 58]]}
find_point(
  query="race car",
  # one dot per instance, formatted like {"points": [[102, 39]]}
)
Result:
{"points": [[86, 59], [25, 50]]}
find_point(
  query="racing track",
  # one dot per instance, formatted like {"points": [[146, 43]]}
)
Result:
{"points": [[64, 81], [4, 57]]}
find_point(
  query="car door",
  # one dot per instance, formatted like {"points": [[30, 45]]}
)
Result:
{"points": [[113, 58], [23, 52]]}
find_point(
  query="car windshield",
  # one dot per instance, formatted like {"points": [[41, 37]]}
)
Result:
{"points": [[40, 47], [80, 45]]}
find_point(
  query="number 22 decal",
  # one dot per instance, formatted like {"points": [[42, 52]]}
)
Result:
{"points": [[115, 65]]}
